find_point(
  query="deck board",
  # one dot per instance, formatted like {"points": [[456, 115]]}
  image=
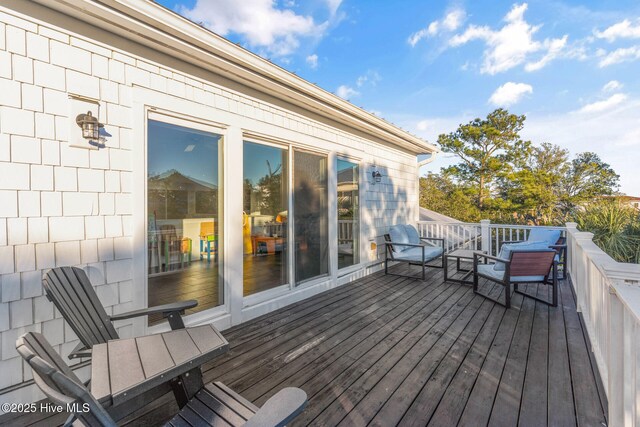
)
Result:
{"points": [[387, 351]]}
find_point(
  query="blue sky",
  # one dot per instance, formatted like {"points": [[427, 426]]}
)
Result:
{"points": [[573, 68]]}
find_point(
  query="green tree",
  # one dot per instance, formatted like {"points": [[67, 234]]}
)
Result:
{"points": [[535, 185], [487, 148], [440, 194], [615, 228], [587, 178]]}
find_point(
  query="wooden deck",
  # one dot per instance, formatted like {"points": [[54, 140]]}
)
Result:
{"points": [[387, 351]]}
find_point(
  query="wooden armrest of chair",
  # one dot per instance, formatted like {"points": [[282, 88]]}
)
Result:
{"points": [[283, 407], [176, 307]]}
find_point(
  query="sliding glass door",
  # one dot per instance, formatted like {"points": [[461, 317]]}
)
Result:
{"points": [[265, 214], [348, 214], [310, 215], [184, 213]]}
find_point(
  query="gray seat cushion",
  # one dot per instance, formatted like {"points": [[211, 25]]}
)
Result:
{"points": [[489, 271], [415, 254], [412, 234], [550, 237], [398, 234]]}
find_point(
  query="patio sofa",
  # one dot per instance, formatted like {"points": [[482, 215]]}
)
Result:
{"points": [[404, 244]]}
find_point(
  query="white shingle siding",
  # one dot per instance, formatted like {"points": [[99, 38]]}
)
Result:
{"points": [[61, 205]]}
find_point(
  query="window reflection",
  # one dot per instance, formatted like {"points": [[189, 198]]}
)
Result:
{"points": [[184, 206], [348, 214], [265, 205], [310, 215]]}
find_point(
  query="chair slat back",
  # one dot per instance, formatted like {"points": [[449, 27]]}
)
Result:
{"points": [[73, 295], [531, 263], [59, 383], [37, 344]]}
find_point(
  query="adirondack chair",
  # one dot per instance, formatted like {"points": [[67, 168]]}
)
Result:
{"points": [[404, 244], [73, 295], [535, 264], [214, 405]]}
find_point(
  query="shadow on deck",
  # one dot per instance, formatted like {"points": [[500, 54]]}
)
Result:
{"points": [[388, 351]]}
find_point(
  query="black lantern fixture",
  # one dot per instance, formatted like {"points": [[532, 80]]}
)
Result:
{"points": [[89, 125], [377, 177]]}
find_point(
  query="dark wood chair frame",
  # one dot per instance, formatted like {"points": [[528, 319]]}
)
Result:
{"points": [[389, 256], [70, 290], [214, 405], [561, 249], [521, 263]]}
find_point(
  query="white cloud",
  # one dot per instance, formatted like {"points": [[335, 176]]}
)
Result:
{"points": [[346, 92], [614, 134], [604, 105], [312, 61], [612, 86], [423, 125], [512, 44], [624, 54], [621, 30], [260, 22], [510, 93], [554, 47], [450, 22], [333, 6], [371, 77]]}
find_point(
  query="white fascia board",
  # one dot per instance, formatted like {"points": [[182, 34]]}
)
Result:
{"points": [[159, 28]]}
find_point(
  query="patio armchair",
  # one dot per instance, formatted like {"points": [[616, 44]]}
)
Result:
{"points": [[553, 238], [404, 244], [73, 295], [534, 264], [214, 405]]}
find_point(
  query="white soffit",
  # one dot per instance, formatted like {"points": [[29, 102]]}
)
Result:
{"points": [[152, 25]]}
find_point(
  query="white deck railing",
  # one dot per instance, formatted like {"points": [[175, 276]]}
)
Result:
{"points": [[607, 294], [476, 236]]}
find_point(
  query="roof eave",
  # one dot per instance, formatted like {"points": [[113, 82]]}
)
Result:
{"points": [[155, 26]]}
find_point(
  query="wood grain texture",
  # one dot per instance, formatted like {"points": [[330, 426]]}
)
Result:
{"points": [[454, 361]]}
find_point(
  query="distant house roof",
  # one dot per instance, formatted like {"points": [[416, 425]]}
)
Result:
{"points": [[175, 181], [157, 27]]}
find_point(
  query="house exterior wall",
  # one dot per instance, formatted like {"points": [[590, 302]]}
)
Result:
{"points": [[61, 205]]}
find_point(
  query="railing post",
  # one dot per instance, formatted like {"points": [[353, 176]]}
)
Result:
{"points": [[485, 234], [580, 278], [572, 228]]}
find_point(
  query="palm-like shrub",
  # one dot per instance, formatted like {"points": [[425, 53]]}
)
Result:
{"points": [[615, 228]]}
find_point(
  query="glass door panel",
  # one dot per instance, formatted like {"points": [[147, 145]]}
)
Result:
{"points": [[348, 214], [310, 215], [184, 207], [265, 206]]}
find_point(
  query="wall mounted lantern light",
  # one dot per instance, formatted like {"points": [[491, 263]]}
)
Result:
{"points": [[377, 177], [89, 125]]}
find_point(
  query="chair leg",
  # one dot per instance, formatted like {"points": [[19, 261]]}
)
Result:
{"points": [[475, 282], [507, 295], [423, 274], [555, 284]]}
